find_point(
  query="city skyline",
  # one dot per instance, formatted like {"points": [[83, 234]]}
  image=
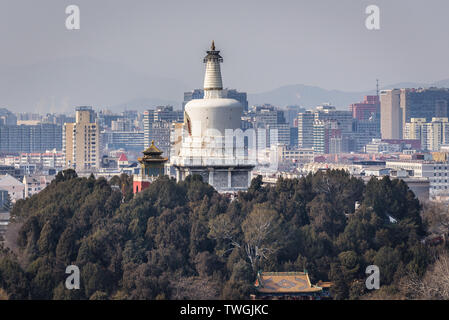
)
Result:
{"points": [[224, 150]]}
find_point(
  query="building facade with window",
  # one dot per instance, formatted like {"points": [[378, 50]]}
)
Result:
{"points": [[436, 172], [81, 141]]}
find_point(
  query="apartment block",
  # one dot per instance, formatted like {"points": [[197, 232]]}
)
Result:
{"points": [[81, 141]]}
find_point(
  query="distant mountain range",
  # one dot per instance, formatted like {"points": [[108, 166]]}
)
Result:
{"points": [[310, 96], [58, 86]]}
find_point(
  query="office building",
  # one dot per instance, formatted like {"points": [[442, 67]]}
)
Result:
{"points": [[435, 172], [30, 138], [367, 109], [303, 155], [126, 140], [167, 114], [390, 114], [42, 160], [7, 118], [399, 106], [326, 129], [305, 129], [291, 114], [158, 131], [327, 137], [121, 124]]}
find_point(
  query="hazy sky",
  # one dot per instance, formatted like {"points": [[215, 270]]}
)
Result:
{"points": [[265, 44]]}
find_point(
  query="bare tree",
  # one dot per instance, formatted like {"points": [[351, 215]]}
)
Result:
{"points": [[436, 279], [433, 286], [260, 229], [195, 288], [437, 216], [257, 235]]}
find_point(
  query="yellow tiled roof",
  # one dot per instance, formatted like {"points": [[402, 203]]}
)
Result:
{"points": [[152, 149], [324, 284], [285, 282]]}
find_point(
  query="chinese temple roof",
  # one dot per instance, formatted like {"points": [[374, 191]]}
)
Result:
{"points": [[284, 282], [152, 150], [152, 154]]}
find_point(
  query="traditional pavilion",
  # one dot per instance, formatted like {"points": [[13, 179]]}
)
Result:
{"points": [[152, 165], [287, 286]]}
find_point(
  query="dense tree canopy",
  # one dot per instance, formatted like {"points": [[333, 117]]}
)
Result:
{"points": [[184, 240]]}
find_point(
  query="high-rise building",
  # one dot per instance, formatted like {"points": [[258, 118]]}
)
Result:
{"points": [[318, 129], [106, 117], [364, 132], [390, 114], [417, 129], [305, 129], [7, 118], [81, 141], [157, 126], [327, 137], [121, 124], [424, 103], [158, 131], [431, 134], [166, 113], [271, 121], [369, 107], [190, 95], [366, 121], [291, 114], [330, 113], [127, 140], [437, 133], [399, 106], [30, 138], [267, 115]]}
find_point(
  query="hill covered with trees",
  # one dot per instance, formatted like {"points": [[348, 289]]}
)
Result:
{"points": [[186, 241]]}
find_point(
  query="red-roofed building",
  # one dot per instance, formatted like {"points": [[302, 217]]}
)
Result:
{"points": [[123, 161]]}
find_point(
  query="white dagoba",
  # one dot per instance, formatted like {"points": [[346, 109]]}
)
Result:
{"points": [[207, 148]]}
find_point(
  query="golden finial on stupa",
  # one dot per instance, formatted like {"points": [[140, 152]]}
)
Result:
{"points": [[212, 47]]}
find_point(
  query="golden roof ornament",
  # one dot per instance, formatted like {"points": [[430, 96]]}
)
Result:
{"points": [[152, 150]]}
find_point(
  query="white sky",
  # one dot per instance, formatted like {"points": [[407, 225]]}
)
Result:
{"points": [[265, 44]]}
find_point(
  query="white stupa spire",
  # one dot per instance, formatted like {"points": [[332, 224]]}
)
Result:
{"points": [[213, 84]]}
